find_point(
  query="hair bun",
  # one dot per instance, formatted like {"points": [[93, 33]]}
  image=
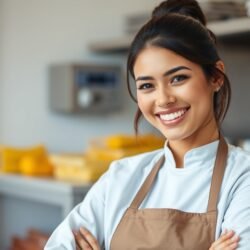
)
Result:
{"points": [[189, 8]]}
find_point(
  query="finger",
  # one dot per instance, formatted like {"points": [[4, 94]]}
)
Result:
{"points": [[227, 235], [234, 239], [90, 238], [81, 243], [229, 244], [77, 247], [233, 246]]}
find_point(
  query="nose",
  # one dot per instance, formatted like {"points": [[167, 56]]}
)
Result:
{"points": [[164, 97]]}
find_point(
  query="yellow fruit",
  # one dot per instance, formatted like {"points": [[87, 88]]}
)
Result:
{"points": [[35, 166], [19, 160], [11, 156]]}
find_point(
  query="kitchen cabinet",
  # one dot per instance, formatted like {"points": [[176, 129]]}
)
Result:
{"points": [[41, 203]]}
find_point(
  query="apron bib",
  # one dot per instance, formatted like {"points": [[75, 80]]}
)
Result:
{"points": [[170, 229]]}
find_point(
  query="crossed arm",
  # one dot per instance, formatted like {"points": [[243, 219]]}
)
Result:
{"points": [[85, 240]]}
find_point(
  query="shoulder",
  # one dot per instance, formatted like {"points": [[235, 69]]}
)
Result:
{"points": [[235, 196], [238, 167], [239, 158]]}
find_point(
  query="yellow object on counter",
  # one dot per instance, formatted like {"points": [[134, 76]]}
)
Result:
{"points": [[73, 168], [27, 161], [120, 141], [118, 146], [33, 166], [100, 153]]}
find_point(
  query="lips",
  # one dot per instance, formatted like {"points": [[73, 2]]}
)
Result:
{"points": [[173, 115]]}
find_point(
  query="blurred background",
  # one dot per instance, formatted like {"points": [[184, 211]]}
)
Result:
{"points": [[64, 108]]}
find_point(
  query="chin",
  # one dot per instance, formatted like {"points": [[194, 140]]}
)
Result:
{"points": [[176, 136]]}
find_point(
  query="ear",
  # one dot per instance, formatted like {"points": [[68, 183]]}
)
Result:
{"points": [[218, 79], [220, 65]]}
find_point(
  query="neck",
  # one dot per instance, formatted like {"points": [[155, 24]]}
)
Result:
{"points": [[180, 147]]}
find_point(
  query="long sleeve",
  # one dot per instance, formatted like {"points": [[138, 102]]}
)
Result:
{"points": [[89, 214], [237, 215]]}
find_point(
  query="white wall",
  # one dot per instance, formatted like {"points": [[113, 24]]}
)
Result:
{"points": [[37, 33], [1, 64]]}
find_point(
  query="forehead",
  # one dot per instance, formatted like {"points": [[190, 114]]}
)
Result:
{"points": [[152, 60]]}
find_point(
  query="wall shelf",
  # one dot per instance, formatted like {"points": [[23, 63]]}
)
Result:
{"points": [[220, 28]]}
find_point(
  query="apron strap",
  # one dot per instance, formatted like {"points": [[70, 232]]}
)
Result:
{"points": [[147, 184], [218, 173]]}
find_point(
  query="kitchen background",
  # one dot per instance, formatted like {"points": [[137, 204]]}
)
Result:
{"points": [[37, 34]]}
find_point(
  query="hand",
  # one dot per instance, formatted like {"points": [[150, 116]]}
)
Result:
{"points": [[85, 240], [227, 241]]}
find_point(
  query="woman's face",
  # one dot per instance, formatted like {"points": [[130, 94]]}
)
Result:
{"points": [[173, 94]]}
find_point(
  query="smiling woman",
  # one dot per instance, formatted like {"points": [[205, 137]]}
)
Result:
{"points": [[168, 98], [195, 192], [176, 97]]}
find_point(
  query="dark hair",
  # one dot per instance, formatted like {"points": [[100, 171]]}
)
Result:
{"points": [[180, 26]]}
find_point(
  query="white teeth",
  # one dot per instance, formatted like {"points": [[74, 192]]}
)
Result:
{"points": [[172, 116]]}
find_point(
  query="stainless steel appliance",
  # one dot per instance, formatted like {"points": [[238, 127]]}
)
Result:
{"points": [[85, 88]]}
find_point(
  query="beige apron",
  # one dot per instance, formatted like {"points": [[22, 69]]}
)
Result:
{"points": [[170, 229]]}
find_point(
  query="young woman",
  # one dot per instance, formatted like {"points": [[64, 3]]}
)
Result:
{"points": [[195, 192]]}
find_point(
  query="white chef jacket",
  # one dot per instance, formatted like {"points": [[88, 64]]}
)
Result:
{"points": [[185, 189]]}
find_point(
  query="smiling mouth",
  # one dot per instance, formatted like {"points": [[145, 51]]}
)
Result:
{"points": [[173, 116]]}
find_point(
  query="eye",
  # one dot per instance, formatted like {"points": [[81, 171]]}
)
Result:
{"points": [[178, 79], [145, 86]]}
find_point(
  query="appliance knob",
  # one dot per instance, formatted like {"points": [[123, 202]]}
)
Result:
{"points": [[85, 98]]}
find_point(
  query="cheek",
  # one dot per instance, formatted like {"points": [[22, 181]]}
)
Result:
{"points": [[202, 102], [205, 94], [198, 93], [145, 105], [141, 103]]}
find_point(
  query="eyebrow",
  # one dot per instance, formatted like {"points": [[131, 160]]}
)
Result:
{"points": [[167, 73]]}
